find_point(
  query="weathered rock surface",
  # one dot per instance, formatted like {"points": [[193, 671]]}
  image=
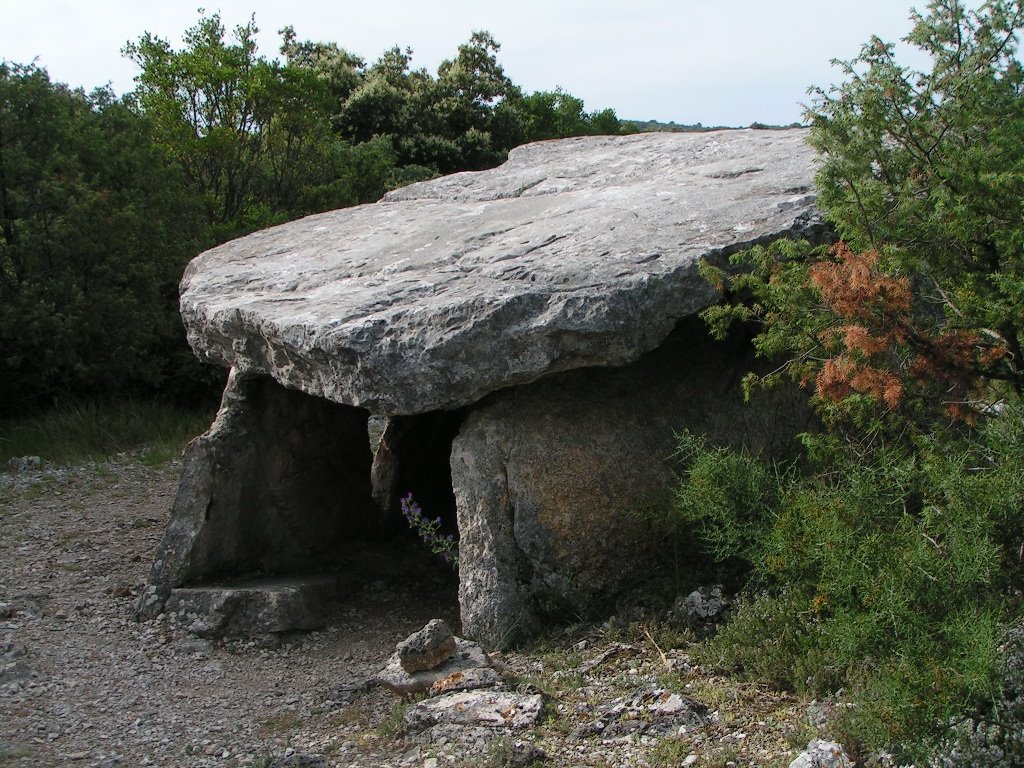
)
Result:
{"points": [[254, 608], [278, 485], [428, 648], [574, 253], [702, 610], [467, 680], [23, 463], [489, 709], [651, 711], [527, 332], [549, 477], [468, 656], [822, 754]]}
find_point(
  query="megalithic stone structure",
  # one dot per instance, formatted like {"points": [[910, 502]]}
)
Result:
{"points": [[525, 339]]}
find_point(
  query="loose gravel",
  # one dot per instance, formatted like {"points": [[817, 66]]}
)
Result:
{"points": [[82, 683]]}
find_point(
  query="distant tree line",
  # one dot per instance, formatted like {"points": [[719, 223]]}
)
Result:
{"points": [[650, 126], [104, 200]]}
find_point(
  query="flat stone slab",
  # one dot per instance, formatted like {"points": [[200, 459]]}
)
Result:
{"points": [[574, 253], [255, 607], [488, 709], [468, 656]]}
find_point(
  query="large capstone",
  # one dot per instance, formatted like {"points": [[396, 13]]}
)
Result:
{"points": [[526, 344], [572, 254]]}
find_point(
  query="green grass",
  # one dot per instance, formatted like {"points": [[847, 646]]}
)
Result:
{"points": [[394, 724], [13, 754], [283, 722], [669, 752], [76, 434]]}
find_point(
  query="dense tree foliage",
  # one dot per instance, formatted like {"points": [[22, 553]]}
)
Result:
{"points": [[922, 174], [253, 136], [96, 224], [928, 168], [887, 561], [103, 201]]}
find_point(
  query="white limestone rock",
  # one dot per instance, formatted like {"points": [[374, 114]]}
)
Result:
{"points": [[574, 253], [468, 656], [488, 709], [822, 754]]}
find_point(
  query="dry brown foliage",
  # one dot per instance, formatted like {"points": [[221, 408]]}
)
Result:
{"points": [[880, 348]]}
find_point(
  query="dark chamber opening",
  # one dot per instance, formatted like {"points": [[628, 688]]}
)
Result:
{"points": [[413, 458]]}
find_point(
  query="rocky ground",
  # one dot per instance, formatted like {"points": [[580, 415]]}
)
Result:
{"points": [[83, 684]]}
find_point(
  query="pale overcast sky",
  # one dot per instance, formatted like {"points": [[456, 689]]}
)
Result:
{"points": [[716, 62]]}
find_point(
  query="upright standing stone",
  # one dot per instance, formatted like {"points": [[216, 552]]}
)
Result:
{"points": [[550, 478], [280, 484]]}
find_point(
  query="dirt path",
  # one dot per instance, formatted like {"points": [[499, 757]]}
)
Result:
{"points": [[83, 683]]}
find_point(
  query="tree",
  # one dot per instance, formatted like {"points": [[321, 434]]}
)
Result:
{"points": [[211, 105], [922, 174], [553, 115], [469, 87], [104, 201], [467, 117], [558, 115], [255, 137], [927, 168], [453, 122], [96, 227], [342, 70], [891, 562], [606, 123], [385, 103]]}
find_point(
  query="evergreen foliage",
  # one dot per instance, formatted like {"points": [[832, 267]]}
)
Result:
{"points": [[890, 574], [888, 561], [97, 224], [928, 169]]}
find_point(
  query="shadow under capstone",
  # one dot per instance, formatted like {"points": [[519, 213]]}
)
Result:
{"points": [[275, 515]]}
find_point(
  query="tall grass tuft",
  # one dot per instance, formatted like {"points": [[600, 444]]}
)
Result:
{"points": [[93, 431]]}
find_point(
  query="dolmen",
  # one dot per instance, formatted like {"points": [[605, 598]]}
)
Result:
{"points": [[515, 348]]}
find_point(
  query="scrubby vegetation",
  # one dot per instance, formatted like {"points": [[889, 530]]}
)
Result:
{"points": [[886, 561]]}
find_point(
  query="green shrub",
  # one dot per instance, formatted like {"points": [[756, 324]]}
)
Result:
{"points": [[995, 738], [887, 572], [726, 500], [891, 564], [767, 639]]}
